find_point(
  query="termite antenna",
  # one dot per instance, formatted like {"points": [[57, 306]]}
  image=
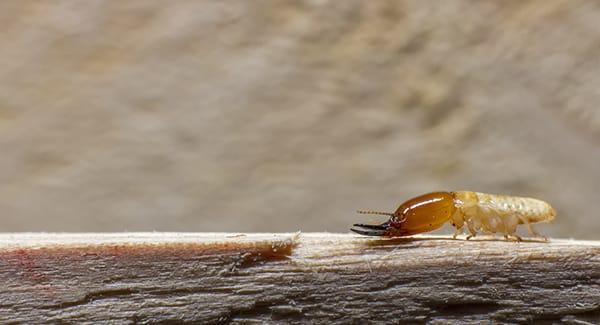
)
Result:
{"points": [[375, 212]]}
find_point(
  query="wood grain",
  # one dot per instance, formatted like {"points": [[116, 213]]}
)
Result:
{"points": [[293, 278]]}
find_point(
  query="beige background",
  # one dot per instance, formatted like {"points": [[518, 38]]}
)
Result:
{"points": [[290, 115]]}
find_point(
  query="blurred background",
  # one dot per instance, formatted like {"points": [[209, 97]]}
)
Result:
{"points": [[281, 116]]}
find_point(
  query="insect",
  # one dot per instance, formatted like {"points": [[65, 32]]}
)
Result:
{"points": [[478, 212]]}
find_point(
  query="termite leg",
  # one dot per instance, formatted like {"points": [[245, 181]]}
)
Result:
{"points": [[531, 229], [457, 232], [472, 230], [516, 237], [533, 232]]}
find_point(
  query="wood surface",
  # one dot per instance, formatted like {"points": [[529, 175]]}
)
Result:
{"points": [[172, 278]]}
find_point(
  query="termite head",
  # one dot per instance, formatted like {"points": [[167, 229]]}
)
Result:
{"points": [[420, 214]]}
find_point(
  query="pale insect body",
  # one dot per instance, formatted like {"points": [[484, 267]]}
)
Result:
{"points": [[489, 213], [478, 212]]}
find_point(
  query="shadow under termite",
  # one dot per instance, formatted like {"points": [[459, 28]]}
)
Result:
{"points": [[410, 241], [396, 242]]}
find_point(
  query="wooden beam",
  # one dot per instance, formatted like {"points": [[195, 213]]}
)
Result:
{"points": [[296, 278]]}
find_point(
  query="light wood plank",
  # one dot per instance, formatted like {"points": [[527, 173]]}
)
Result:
{"points": [[296, 278]]}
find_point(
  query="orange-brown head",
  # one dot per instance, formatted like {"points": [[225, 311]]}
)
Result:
{"points": [[420, 214]]}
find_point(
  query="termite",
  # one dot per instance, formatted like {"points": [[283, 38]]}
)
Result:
{"points": [[479, 212]]}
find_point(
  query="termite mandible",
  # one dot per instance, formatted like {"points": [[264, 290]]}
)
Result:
{"points": [[479, 212]]}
